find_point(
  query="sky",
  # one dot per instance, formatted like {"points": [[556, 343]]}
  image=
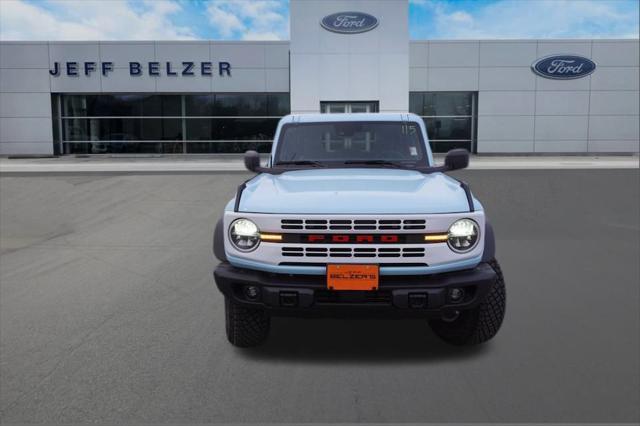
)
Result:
{"points": [[269, 19]]}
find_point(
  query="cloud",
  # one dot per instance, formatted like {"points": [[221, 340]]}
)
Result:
{"points": [[508, 19], [91, 20], [249, 20]]}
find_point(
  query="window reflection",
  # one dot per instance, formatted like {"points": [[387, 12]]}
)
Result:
{"points": [[448, 117], [141, 123]]}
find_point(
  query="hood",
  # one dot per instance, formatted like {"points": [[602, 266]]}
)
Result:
{"points": [[354, 191]]}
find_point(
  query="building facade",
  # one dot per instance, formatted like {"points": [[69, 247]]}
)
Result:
{"points": [[166, 97]]}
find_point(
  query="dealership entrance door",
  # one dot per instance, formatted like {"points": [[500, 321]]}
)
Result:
{"points": [[348, 107]]}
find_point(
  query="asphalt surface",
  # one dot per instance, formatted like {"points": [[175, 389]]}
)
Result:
{"points": [[109, 314]]}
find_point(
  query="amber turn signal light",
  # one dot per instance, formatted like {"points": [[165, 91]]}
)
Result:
{"points": [[271, 237]]}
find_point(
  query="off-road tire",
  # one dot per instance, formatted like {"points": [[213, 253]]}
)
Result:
{"points": [[479, 324], [246, 327]]}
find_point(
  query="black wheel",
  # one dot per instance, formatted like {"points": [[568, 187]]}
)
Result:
{"points": [[246, 327], [480, 324]]}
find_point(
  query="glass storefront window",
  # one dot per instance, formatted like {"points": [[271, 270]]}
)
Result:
{"points": [[121, 129], [129, 147], [227, 147], [237, 105], [132, 105], [448, 128], [115, 123], [449, 118]]}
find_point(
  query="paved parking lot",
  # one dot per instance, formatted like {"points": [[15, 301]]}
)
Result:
{"points": [[108, 313]]}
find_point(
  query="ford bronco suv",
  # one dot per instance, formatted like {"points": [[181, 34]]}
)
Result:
{"points": [[350, 216]]}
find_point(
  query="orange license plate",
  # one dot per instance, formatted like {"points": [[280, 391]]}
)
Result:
{"points": [[352, 277]]}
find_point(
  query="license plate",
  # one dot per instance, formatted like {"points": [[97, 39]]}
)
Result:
{"points": [[352, 277]]}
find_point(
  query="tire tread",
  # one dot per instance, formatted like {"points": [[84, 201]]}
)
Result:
{"points": [[246, 327], [480, 324]]}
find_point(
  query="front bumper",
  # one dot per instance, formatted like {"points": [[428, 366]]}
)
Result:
{"points": [[413, 295]]}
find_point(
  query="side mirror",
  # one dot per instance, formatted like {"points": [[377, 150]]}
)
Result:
{"points": [[252, 161], [456, 159]]}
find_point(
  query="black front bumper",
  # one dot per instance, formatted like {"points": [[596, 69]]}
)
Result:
{"points": [[413, 295]]}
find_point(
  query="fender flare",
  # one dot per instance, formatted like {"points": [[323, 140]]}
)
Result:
{"points": [[489, 243], [218, 241]]}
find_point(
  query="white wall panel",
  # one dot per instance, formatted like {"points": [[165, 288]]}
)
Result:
{"points": [[613, 145], [507, 53], [119, 80], [239, 55], [309, 75], [241, 80], [613, 127], [557, 47], [277, 55], [562, 103], [24, 55], [452, 79], [277, 79], [615, 78], [23, 129], [24, 80], [503, 128], [418, 79], [418, 54], [72, 51], [561, 146], [548, 84], [615, 103], [176, 52], [500, 146], [616, 53], [506, 78], [506, 103], [561, 127], [25, 105], [121, 53], [364, 77], [179, 83], [394, 98], [453, 53], [78, 84], [26, 148], [330, 78]]}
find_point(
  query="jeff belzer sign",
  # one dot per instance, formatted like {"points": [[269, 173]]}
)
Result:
{"points": [[563, 67], [185, 68], [349, 22]]}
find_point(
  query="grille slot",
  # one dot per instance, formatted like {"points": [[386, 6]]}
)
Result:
{"points": [[366, 252], [293, 251], [353, 224], [291, 224]]}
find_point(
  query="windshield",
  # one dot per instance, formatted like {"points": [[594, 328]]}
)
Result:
{"points": [[351, 142]]}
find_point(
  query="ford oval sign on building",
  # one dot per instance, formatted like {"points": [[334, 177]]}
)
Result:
{"points": [[563, 67], [349, 22]]}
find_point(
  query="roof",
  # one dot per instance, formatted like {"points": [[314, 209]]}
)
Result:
{"points": [[312, 118]]}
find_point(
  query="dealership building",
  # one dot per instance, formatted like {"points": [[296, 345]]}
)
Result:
{"points": [[200, 97]]}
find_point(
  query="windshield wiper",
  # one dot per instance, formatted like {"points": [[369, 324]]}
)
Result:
{"points": [[300, 163]]}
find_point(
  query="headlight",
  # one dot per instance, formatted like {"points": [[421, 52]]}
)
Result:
{"points": [[463, 235], [244, 234]]}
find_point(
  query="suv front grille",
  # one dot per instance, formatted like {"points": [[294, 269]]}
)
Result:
{"points": [[353, 252], [353, 224]]}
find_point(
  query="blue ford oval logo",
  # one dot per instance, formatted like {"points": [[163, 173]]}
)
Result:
{"points": [[563, 67], [349, 22]]}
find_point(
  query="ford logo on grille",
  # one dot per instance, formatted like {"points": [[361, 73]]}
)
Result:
{"points": [[563, 67], [349, 22]]}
